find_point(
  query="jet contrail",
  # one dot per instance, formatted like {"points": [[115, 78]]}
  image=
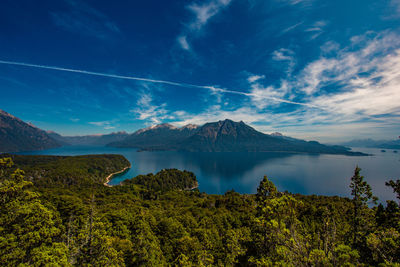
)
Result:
{"points": [[98, 74], [186, 85]]}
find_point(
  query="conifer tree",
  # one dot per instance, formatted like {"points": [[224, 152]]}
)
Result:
{"points": [[29, 231], [396, 188], [362, 195]]}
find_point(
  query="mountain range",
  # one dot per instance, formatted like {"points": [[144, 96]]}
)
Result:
{"points": [[388, 144], [221, 136], [88, 140], [16, 135]]}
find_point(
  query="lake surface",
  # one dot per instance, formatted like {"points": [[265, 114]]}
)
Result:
{"points": [[297, 173]]}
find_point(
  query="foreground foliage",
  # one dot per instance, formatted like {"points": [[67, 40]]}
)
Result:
{"points": [[60, 213]]}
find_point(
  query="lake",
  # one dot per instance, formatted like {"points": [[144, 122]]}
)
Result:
{"points": [[297, 173]]}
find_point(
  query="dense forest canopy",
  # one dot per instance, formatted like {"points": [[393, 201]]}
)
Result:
{"points": [[57, 211]]}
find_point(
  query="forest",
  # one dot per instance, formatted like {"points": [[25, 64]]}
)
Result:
{"points": [[56, 211]]}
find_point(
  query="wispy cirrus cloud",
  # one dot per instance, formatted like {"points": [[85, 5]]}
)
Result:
{"points": [[316, 29], [287, 56], [296, 3], [254, 77], [182, 40], [292, 27], [202, 13], [147, 111], [107, 125], [84, 19]]}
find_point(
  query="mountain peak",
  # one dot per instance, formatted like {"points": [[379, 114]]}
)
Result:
{"points": [[164, 125], [276, 134], [16, 135], [189, 126], [158, 126], [6, 114]]}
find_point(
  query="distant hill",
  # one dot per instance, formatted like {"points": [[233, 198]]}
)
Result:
{"points": [[370, 143], [160, 137], [16, 135], [89, 140], [222, 136]]}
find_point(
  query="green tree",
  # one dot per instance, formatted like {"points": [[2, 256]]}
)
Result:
{"points": [[278, 229], [345, 256], [362, 195], [94, 245], [396, 188], [146, 246], [29, 231], [385, 246]]}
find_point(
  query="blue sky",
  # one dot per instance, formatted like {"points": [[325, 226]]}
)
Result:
{"points": [[312, 69]]}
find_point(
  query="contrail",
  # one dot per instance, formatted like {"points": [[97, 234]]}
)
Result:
{"points": [[98, 74], [186, 85]]}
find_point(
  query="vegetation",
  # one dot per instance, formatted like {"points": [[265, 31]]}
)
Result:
{"points": [[165, 180], [58, 212], [67, 171]]}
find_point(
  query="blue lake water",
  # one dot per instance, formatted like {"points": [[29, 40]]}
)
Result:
{"points": [[297, 173]]}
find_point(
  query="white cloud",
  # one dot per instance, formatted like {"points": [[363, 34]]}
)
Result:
{"points": [[202, 14], [283, 54], [317, 26], [345, 68], [316, 29], [98, 123], [147, 111], [183, 42], [254, 78], [329, 47], [296, 2], [286, 55], [216, 113], [263, 97], [376, 94], [105, 124], [290, 28]]}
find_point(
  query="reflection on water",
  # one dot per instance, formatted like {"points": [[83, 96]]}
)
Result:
{"points": [[298, 173]]}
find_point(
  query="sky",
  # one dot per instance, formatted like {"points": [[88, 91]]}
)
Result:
{"points": [[311, 69]]}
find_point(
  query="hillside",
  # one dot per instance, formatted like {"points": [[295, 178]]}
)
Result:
{"points": [[16, 135], [370, 143], [89, 140]]}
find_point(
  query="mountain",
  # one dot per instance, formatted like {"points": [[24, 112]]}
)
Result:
{"points": [[228, 135], [370, 143], [222, 136], [159, 137], [393, 144], [16, 135], [89, 140]]}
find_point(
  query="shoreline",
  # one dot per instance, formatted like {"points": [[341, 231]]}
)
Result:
{"points": [[192, 188], [109, 177]]}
